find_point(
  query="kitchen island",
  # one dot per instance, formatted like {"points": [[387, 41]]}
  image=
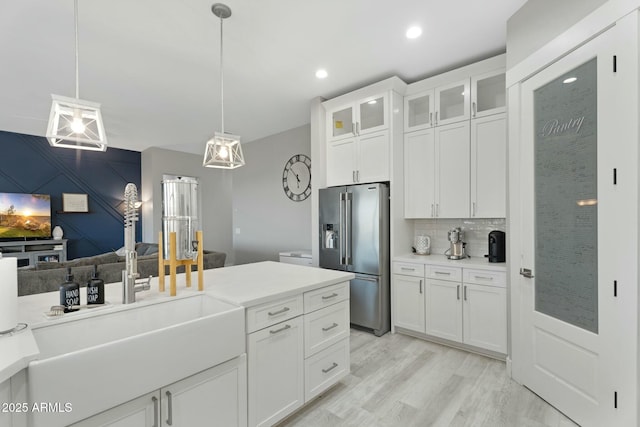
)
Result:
{"points": [[294, 329]]}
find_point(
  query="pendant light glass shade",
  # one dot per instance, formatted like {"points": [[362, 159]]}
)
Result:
{"points": [[73, 122], [223, 150]]}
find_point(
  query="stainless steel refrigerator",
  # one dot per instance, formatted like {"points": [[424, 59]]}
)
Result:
{"points": [[354, 236]]}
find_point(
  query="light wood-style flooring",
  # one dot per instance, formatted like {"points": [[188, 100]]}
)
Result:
{"points": [[400, 381]]}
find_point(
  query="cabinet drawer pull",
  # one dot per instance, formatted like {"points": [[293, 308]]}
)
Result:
{"points": [[421, 286], [333, 366], [407, 269], [333, 295], [483, 277], [443, 273], [155, 411], [275, 313], [335, 325], [284, 328], [458, 292], [465, 292], [170, 409]]}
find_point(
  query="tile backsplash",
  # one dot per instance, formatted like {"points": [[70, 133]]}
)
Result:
{"points": [[476, 232]]}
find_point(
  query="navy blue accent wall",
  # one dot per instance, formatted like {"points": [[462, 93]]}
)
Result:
{"points": [[28, 164]]}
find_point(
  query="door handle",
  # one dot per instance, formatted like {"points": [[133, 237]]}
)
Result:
{"points": [[170, 409], [155, 411], [341, 227], [420, 285], [430, 119], [458, 292], [347, 228], [464, 292], [526, 272], [473, 109]]}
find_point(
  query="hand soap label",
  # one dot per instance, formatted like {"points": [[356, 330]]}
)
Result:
{"points": [[94, 296]]}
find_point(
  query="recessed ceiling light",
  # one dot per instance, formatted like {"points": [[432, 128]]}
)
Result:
{"points": [[322, 74], [570, 80], [414, 32]]}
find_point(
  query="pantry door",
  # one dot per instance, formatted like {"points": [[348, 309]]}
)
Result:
{"points": [[574, 346]]}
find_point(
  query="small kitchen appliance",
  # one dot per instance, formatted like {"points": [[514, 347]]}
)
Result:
{"points": [[422, 244], [497, 246], [456, 249]]}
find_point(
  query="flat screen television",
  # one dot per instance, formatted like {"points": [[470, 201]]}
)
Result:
{"points": [[25, 216]]}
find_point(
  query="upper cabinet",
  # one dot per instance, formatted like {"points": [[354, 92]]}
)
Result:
{"points": [[419, 111], [361, 128], [488, 94], [452, 103], [359, 118]]}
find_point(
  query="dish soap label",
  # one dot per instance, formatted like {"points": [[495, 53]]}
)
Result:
{"points": [[69, 293], [95, 288]]}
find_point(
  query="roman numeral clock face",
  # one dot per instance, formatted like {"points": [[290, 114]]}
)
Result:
{"points": [[296, 178]]}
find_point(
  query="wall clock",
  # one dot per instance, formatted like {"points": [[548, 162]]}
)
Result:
{"points": [[296, 178]]}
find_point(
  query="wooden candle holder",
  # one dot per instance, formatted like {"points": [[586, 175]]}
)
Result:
{"points": [[173, 264]]}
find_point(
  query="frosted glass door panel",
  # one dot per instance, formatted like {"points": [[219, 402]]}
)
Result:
{"points": [[418, 111], [566, 209], [490, 94], [342, 122], [452, 103], [372, 114]]}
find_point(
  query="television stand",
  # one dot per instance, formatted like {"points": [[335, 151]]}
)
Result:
{"points": [[29, 252]]}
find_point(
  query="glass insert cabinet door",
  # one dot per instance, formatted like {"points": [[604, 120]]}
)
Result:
{"points": [[372, 114], [565, 197], [418, 111], [452, 103], [343, 122], [488, 94]]}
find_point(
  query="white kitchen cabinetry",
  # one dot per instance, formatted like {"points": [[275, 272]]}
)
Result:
{"points": [[297, 347], [419, 111], [276, 371], [452, 102], [437, 172], [488, 93], [218, 393], [409, 296], [358, 159], [362, 117], [489, 167], [460, 304]]}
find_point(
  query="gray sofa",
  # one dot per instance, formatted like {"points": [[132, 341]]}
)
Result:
{"points": [[47, 276]]}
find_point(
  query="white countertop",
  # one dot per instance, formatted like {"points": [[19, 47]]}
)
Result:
{"points": [[437, 259], [245, 285]]}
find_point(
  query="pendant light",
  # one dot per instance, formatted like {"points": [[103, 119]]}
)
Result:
{"points": [[73, 122], [223, 150]]}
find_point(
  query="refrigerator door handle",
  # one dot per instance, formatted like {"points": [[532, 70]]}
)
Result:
{"points": [[347, 228], [341, 237]]}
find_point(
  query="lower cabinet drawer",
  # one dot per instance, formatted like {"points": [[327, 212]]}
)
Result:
{"points": [[270, 313], [325, 327], [324, 369]]}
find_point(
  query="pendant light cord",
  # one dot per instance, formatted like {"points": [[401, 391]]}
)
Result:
{"points": [[75, 19], [221, 77]]}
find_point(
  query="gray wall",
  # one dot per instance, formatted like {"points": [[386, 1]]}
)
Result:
{"points": [[215, 196], [265, 221], [540, 21]]}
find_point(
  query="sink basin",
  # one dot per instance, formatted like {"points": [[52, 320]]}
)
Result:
{"points": [[119, 353]]}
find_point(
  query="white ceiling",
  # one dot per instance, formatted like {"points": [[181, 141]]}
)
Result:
{"points": [[154, 64]]}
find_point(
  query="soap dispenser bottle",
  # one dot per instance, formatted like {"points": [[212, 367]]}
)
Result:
{"points": [[69, 293], [95, 288]]}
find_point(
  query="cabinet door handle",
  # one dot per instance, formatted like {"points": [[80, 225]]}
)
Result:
{"points": [[432, 210], [284, 328], [430, 119], [465, 293], [437, 209], [170, 409], [357, 128], [155, 411], [443, 273], [353, 176], [458, 292], [354, 130], [328, 328], [275, 313], [333, 295], [420, 285], [333, 366], [473, 209], [358, 176], [436, 117], [473, 109]]}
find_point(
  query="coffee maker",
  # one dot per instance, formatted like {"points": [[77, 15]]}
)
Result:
{"points": [[457, 246], [497, 250]]}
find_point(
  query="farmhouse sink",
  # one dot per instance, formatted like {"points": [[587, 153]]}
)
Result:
{"points": [[120, 353]]}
